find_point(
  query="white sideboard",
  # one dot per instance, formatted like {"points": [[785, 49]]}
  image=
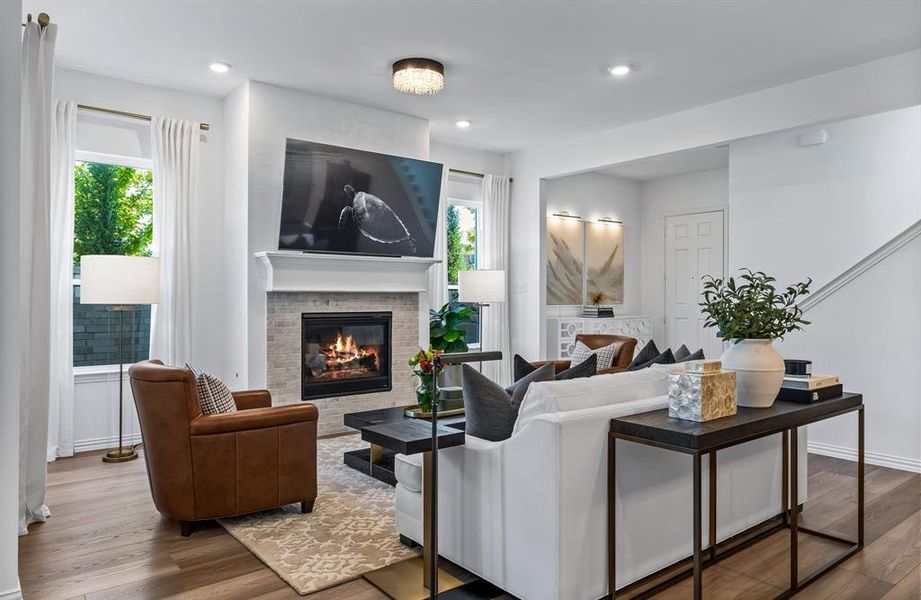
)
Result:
{"points": [[562, 331]]}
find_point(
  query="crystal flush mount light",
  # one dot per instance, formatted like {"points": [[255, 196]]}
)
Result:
{"points": [[420, 76]]}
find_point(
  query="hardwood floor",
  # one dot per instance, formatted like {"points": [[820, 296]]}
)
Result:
{"points": [[105, 541]]}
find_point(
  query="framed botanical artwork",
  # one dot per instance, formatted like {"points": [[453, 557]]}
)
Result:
{"points": [[565, 260], [604, 263]]}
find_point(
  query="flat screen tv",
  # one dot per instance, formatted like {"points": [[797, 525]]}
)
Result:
{"points": [[351, 201]]}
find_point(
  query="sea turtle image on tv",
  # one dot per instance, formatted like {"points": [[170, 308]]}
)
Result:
{"points": [[374, 219]]}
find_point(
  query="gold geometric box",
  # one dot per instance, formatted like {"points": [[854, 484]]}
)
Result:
{"points": [[704, 395]]}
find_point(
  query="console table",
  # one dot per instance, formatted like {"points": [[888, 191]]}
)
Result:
{"points": [[657, 429]]}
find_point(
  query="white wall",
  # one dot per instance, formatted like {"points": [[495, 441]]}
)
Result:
{"points": [[10, 40], [277, 113], [679, 194], [95, 394], [593, 196], [834, 203], [888, 83], [817, 211]]}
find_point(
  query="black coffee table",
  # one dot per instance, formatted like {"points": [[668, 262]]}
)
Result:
{"points": [[376, 460]]}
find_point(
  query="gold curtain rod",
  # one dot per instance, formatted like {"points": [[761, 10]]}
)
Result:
{"points": [[471, 173], [122, 113]]}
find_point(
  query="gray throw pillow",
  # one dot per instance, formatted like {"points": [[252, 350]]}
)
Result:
{"points": [[699, 355], [666, 358], [682, 353], [645, 355], [585, 368], [492, 410]]}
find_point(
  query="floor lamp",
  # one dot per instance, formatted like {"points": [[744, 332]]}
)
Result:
{"points": [[121, 282], [481, 288]]}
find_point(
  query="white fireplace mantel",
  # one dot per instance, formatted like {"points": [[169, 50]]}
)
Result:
{"points": [[291, 271]]}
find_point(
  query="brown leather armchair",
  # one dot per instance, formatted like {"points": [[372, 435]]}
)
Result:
{"points": [[623, 351], [212, 466]]}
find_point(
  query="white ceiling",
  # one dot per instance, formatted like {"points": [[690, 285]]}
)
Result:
{"points": [[524, 72], [674, 163]]}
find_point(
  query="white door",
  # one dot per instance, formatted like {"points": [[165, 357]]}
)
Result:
{"points": [[693, 249]]}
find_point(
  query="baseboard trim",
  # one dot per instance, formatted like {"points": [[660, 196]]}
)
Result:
{"points": [[14, 594], [103, 443], [872, 458]]}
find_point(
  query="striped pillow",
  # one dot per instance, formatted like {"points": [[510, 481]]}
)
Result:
{"points": [[214, 396], [581, 353]]}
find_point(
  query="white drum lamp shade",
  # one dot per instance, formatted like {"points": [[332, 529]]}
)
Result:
{"points": [[109, 279], [481, 287]]}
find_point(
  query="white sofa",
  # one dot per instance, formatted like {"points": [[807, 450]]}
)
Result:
{"points": [[529, 513]]}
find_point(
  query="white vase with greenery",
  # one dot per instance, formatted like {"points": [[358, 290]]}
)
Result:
{"points": [[750, 314]]}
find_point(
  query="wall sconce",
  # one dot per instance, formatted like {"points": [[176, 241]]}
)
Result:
{"points": [[610, 220], [565, 214]]}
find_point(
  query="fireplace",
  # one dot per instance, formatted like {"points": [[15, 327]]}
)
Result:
{"points": [[345, 353]]}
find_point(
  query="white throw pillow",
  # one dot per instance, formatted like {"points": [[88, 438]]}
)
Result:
{"points": [[581, 353], [589, 392]]}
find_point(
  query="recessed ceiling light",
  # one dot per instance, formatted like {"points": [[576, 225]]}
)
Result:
{"points": [[619, 70], [219, 67], [464, 123]]}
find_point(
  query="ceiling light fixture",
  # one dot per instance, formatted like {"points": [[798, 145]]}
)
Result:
{"points": [[619, 70], [610, 220], [464, 123], [219, 67], [419, 76]]}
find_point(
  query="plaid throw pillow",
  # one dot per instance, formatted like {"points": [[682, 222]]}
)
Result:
{"points": [[214, 397], [605, 355]]}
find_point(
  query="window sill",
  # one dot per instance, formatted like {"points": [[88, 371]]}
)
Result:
{"points": [[97, 373]]}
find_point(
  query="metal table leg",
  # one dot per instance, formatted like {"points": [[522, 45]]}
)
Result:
{"points": [[612, 529], [794, 513], [712, 520], [698, 571]]}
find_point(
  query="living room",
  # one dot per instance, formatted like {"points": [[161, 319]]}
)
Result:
{"points": [[318, 231]]}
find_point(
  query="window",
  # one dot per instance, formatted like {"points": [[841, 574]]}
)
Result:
{"points": [[464, 232], [113, 214]]}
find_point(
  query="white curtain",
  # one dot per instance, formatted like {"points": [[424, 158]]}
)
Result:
{"points": [[496, 192], [35, 276], [175, 179], [61, 397], [438, 273]]}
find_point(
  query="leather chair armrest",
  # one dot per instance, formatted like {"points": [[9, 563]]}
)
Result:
{"points": [[255, 418], [252, 399], [558, 365], [611, 370]]}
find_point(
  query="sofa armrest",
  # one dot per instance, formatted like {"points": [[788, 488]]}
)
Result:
{"points": [[256, 418], [252, 399]]}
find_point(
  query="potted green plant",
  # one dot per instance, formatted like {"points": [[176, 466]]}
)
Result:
{"points": [[750, 314], [446, 334]]}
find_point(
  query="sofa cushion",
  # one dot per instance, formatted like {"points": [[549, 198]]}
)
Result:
{"points": [[491, 409], [666, 358], [214, 396], [408, 471], [645, 355], [586, 368], [589, 392], [605, 354]]}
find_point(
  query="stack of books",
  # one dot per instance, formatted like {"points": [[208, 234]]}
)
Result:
{"points": [[806, 389], [596, 312]]}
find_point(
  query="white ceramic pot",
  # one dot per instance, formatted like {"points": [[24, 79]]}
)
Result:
{"points": [[759, 371]]}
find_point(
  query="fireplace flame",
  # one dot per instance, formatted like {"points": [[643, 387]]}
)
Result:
{"points": [[345, 351]]}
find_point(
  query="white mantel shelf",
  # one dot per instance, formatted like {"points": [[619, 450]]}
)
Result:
{"points": [[291, 271]]}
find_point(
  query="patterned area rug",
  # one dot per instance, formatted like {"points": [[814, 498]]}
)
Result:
{"points": [[351, 530]]}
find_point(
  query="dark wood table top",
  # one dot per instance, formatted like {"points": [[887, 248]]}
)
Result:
{"points": [[658, 429], [366, 418], [411, 436]]}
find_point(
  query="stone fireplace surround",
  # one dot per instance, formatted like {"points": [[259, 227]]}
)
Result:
{"points": [[283, 351], [299, 283]]}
